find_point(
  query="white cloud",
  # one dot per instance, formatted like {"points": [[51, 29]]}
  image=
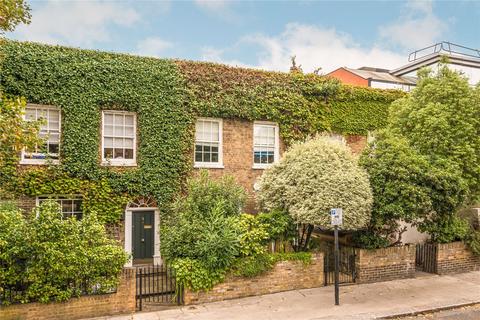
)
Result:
{"points": [[79, 23], [211, 54], [153, 47], [416, 28], [313, 47], [212, 5]]}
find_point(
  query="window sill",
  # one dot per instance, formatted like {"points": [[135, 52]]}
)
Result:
{"points": [[208, 166], [261, 166], [118, 164], [38, 162]]}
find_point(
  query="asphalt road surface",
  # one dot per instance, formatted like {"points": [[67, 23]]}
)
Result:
{"points": [[465, 313]]}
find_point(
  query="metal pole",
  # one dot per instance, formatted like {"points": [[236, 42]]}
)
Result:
{"points": [[337, 298]]}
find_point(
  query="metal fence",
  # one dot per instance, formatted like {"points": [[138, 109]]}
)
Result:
{"points": [[347, 270], [156, 284], [426, 257]]}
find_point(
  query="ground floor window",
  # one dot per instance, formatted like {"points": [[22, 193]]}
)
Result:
{"points": [[69, 205]]}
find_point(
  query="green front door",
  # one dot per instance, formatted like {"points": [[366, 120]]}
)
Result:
{"points": [[143, 234]]}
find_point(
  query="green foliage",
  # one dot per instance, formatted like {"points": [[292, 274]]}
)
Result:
{"points": [[252, 266], [253, 235], [312, 178], [426, 166], [369, 240], [473, 241], [193, 274], [12, 13], [167, 96], [47, 257], [278, 224]]}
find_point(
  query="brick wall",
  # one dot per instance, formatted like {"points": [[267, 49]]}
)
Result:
{"points": [[385, 264], [356, 143], [26, 203], [123, 301], [456, 257], [286, 275]]}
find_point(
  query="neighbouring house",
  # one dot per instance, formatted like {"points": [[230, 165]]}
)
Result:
{"points": [[466, 60], [124, 127]]}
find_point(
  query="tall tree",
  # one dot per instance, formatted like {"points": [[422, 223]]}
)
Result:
{"points": [[12, 13]]}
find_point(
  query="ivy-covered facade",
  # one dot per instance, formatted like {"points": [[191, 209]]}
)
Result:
{"points": [[129, 127]]}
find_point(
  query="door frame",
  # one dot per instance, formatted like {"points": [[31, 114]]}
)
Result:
{"points": [[129, 212]]}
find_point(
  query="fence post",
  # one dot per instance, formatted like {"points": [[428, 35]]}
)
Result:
{"points": [[141, 291]]}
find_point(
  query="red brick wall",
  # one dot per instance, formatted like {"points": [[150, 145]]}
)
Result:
{"points": [[356, 143], [348, 78], [456, 257], [286, 275], [385, 264], [123, 301]]}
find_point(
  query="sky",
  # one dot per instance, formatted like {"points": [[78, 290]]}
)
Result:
{"points": [[258, 34]]}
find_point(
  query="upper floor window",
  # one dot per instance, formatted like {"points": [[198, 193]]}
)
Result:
{"points": [[119, 138], [69, 205], [208, 143], [265, 144], [49, 130]]}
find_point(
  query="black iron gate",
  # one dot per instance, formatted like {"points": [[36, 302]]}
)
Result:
{"points": [[426, 257], [156, 284], [347, 271]]}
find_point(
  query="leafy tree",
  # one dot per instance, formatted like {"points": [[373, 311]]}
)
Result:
{"points": [[12, 13], [315, 176], [44, 257], [426, 165]]}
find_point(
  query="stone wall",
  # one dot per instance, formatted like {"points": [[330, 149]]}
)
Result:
{"points": [[123, 301], [456, 257], [286, 275], [385, 264]]}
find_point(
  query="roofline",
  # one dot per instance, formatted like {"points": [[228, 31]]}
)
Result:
{"points": [[346, 69], [434, 58]]}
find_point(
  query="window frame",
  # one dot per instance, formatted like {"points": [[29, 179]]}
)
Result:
{"points": [[55, 197], [46, 160], [276, 150], [119, 162], [213, 165]]}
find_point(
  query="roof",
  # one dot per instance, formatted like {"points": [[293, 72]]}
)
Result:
{"points": [[381, 75]]}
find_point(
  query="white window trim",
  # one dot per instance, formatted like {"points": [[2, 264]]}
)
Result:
{"points": [[43, 161], [55, 197], [212, 165], [276, 155], [120, 162]]}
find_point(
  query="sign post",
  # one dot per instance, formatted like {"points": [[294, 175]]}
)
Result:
{"points": [[336, 216]]}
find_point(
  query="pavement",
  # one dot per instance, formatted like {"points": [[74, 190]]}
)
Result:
{"points": [[392, 299]]}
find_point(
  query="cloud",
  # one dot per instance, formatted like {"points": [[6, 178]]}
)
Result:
{"points": [[416, 28], [212, 5], [153, 47], [80, 23], [313, 47], [211, 54]]}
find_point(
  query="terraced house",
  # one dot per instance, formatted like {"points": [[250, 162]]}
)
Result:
{"points": [[124, 132]]}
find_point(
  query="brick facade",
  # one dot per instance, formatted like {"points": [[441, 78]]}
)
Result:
{"points": [[385, 264], [456, 257], [123, 301], [286, 275]]}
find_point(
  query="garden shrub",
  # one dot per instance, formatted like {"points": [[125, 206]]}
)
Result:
{"points": [[253, 235], [278, 224], [426, 165], [315, 176], [253, 266], [473, 241], [48, 258]]}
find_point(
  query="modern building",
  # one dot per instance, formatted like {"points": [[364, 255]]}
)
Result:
{"points": [[461, 58]]}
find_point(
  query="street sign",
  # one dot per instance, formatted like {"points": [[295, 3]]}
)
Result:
{"points": [[336, 216]]}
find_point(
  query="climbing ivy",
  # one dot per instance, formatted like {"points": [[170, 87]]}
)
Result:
{"points": [[167, 96]]}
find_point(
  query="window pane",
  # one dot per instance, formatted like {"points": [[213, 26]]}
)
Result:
{"points": [[214, 131], [206, 157], [30, 114], [108, 118], [108, 142], [129, 131], [256, 157], [118, 142], [118, 131], [198, 156], [214, 157], [118, 119], [53, 115], [128, 153], [118, 153], [128, 143], [108, 130], [53, 148], [67, 205], [129, 119], [108, 153]]}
